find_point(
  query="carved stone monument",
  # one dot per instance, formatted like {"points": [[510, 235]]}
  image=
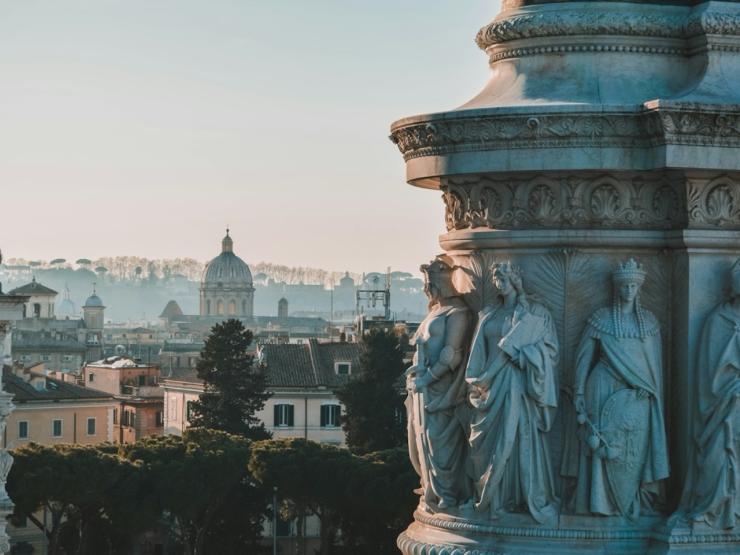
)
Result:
{"points": [[592, 195], [11, 309]]}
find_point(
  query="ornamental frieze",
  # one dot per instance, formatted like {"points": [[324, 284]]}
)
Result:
{"points": [[565, 202], [713, 203], [505, 132], [562, 23], [502, 132]]}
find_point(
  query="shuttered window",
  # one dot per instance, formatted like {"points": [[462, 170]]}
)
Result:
{"points": [[283, 415], [330, 416]]}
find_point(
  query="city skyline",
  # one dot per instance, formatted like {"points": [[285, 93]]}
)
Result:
{"points": [[147, 131]]}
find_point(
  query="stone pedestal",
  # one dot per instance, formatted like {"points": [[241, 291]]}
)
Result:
{"points": [[608, 131]]}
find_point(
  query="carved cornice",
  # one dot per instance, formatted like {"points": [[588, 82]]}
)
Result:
{"points": [[638, 23], [559, 23], [695, 127], [713, 23], [652, 201], [648, 128]]}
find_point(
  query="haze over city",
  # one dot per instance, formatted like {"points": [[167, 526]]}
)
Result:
{"points": [[144, 128]]}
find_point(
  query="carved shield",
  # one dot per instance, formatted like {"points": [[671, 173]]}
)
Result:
{"points": [[625, 425]]}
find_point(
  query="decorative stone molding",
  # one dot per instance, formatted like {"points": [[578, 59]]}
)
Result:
{"points": [[614, 201], [649, 128], [713, 23], [409, 546], [565, 23], [559, 23], [713, 203], [431, 138], [567, 48], [461, 526], [701, 128]]}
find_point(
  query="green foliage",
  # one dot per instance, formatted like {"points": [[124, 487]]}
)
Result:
{"points": [[102, 498], [370, 499], [91, 496], [373, 401], [234, 389], [201, 483]]}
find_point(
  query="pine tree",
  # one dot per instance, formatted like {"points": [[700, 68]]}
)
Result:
{"points": [[373, 401], [234, 389]]}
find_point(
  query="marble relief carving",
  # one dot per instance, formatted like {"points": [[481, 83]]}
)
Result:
{"points": [[480, 411], [569, 201], [619, 453], [713, 203], [712, 492], [512, 392], [436, 391]]}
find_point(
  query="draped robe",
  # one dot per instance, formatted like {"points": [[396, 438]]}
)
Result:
{"points": [[513, 393], [610, 363], [714, 482], [437, 439]]}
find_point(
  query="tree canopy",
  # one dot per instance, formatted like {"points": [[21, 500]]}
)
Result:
{"points": [[235, 390], [374, 415]]}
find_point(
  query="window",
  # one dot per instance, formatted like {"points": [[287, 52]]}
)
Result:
{"points": [[56, 428], [45, 358], [22, 429], [66, 358], [159, 419], [330, 416], [142, 380], [91, 426], [36, 310], [343, 368], [284, 415], [91, 377], [189, 410], [115, 416], [128, 418]]}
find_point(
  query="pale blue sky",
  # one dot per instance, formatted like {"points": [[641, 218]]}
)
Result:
{"points": [[143, 127]]}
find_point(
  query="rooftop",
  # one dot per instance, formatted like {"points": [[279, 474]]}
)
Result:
{"points": [[119, 361], [38, 387], [33, 288], [301, 366]]}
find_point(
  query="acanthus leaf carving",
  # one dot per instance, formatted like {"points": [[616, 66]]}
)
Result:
{"points": [[605, 200]]}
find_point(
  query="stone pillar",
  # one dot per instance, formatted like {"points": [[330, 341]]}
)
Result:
{"points": [[603, 151]]}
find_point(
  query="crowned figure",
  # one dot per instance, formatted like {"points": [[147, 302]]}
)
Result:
{"points": [[619, 454]]}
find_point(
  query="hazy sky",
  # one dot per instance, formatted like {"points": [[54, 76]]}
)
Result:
{"points": [[143, 127]]}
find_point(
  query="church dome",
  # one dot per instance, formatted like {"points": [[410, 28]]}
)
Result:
{"points": [[227, 267], [93, 301]]}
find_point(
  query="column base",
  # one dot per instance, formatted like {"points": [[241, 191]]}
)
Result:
{"points": [[438, 534]]}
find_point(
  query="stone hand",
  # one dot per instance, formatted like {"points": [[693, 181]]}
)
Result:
{"points": [[580, 403]]}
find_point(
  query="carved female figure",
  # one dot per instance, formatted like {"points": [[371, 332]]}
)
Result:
{"points": [[621, 450], [513, 393], [436, 384], [712, 493]]}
